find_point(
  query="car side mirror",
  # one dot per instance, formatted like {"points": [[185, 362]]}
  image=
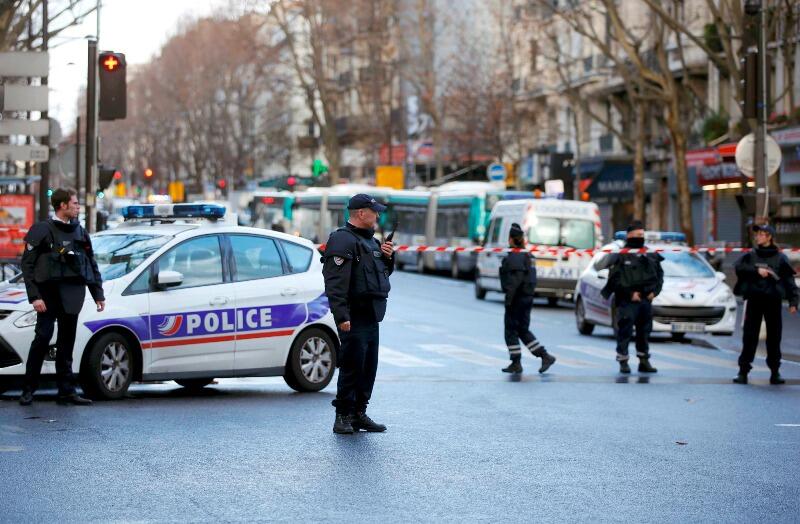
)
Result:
{"points": [[721, 276], [168, 278], [602, 274]]}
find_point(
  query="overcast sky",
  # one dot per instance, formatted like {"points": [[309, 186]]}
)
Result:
{"points": [[137, 28]]}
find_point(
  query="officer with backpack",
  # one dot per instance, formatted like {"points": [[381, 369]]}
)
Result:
{"points": [[356, 268], [57, 266], [635, 279], [518, 280], [765, 280]]}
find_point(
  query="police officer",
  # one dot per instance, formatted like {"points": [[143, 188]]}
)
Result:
{"points": [[765, 279], [635, 279], [57, 266], [518, 280], [356, 270]]}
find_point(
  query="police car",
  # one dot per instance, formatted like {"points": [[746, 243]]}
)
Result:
{"points": [[694, 298], [190, 296]]}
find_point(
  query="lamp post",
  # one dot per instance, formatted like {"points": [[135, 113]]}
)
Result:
{"points": [[753, 9]]}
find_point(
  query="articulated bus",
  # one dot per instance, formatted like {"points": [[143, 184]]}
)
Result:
{"points": [[272, 209], [455, 214], [319, 211]]}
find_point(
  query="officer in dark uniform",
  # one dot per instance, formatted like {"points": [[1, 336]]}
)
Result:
{"points": [[356, 270], [57, 266], [518, 280], [765, 279], [635, 279]]}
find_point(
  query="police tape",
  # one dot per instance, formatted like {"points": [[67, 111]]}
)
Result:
{"points": [[568, 251]]}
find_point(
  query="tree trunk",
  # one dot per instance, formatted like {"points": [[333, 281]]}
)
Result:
{"points": [[638, 165], [682, 179]]}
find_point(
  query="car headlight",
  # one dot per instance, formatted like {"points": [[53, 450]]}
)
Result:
{"points": [[724, 297], [26, 320]]}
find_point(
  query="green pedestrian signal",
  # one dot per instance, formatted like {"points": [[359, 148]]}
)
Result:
{"points": [[318, 168]]}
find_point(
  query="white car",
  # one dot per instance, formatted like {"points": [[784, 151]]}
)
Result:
{"points": [[190, 297], [694, 298]]}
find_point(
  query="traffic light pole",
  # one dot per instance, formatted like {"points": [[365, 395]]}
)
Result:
{"points": [[91, 136], [762, 188], [44, 183]]}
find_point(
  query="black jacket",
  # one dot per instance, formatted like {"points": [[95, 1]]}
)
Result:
{"points": [[517, 276], [751, 284], [339, 263], [38, 244], [621, 262]]}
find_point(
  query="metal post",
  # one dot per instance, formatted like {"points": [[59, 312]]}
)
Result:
{"points": [[90, 143], [762, 191], [78, 155], [44, 183]]}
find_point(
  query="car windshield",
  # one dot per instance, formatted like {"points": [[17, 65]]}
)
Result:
{"points": [[683, 264], [118, 255], [562, 232]]}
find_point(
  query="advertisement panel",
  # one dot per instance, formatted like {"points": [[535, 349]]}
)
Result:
{"points": [[16, 217]]}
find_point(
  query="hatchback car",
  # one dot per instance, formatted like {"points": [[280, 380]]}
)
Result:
{"points": [[694, 298], [190, 296]]}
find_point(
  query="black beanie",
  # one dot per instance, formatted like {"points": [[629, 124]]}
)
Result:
{"points": [[635, 225], [516, 231]]}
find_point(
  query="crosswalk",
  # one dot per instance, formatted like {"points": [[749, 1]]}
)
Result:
{"points": [[576, 358]]}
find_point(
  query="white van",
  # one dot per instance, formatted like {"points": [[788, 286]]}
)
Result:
{"points": [[546, 222]]}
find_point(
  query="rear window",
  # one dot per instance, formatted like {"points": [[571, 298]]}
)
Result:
{"points": [[298, 257]]}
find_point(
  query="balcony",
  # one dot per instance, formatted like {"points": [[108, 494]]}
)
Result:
{"points": [[606, 143]]}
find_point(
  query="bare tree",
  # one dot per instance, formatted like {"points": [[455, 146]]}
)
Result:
{"points": [[17, 17]]}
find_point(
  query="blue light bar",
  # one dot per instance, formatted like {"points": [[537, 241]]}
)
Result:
{"points": [[667, 237], [146, 211]]}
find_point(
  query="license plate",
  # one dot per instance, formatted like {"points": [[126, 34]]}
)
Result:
{"points": [[543, 262], [688, 327]]}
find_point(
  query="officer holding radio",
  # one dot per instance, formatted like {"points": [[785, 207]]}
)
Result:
{"points": [[356, 270], [57, 266]]}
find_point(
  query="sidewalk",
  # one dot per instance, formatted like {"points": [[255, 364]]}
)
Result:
{"points": [[790, 341]]}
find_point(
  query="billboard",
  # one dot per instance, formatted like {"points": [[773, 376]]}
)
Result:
{"points": [[16, 217]]}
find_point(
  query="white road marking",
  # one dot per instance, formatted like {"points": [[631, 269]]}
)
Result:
{"points": [[561, 360], [10, 449], [463, 354], [701, 359], [403, 360], [788, 425], [608, 354]]}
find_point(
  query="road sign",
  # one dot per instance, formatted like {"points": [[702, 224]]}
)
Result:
{"points": [[24, 127], [24, 153], [745, 158], [24, 63], [496, 172], [23, 98]]}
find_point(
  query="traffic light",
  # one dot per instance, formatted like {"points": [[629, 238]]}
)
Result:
{"points": [[751, 85], [148, 173], [105, 175], [318, 168], [113, 86]]}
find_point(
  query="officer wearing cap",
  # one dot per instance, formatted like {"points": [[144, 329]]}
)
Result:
{"points": [[635, 279], [356, 270], [764, 278], [57, 266], [518, 280]]}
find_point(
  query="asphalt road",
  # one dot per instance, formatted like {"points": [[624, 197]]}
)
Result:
{"points": [[465, 441]]}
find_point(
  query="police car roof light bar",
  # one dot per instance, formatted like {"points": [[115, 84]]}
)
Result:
{"points": [[667, 237], [150, 211]]}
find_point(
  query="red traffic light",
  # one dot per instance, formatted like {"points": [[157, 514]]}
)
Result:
{"points": [[148, 173], [117, 175], [268, 200], [291, 181], [221, 183]]}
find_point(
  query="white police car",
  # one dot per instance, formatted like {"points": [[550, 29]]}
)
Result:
{"points": [[190, 297], [694, 298]]}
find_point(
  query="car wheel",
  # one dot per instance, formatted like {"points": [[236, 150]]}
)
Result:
{"points": [[584, 327], [552, 301], [421, 269], [312, 361], [454, 271], [480, 293], [107, 370], [194, 383], [399, 266], [4, 386]]}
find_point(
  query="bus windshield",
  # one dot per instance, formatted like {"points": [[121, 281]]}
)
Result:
{"points": [[566, 232]]}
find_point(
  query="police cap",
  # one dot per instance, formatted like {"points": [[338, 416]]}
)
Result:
{"points": [[362, 201], [766, 228]]}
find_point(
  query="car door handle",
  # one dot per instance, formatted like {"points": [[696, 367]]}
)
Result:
{"points": [[218, 301], [289, 292]]}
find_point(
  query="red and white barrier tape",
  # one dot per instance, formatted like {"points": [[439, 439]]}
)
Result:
{"points": [[567, 251]]}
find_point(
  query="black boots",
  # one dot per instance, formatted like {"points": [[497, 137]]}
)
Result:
{"points": [[26, 399], [741, 378], [547, 361], [362, 421], [343, 425], [514, 367], [624, 367], [775, 379], [645, 367], [74, 399]]}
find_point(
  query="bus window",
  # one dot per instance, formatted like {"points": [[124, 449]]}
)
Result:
{"points": [[410, 219], [452, 222]]}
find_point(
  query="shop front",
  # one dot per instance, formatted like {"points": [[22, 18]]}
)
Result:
{"points": [[789, 141]]}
